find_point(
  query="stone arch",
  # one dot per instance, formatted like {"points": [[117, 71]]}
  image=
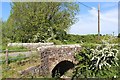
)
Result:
{"points": [[51, 56], [62, 67]]}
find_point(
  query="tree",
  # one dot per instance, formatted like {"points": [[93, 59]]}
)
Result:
{"points": [[0, 32], [7, 33], [119, 35], [41, 21]]}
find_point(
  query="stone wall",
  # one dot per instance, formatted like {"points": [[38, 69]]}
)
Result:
{"points": [[29, 45], [33, 70]]}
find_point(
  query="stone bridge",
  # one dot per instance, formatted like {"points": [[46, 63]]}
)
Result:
{"points": [[57, 58]]}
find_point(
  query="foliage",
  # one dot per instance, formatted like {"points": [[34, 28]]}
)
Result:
{"points": [[89, 45], [56, 42], [99, 62], [103, 59], [81, 69], [0, 34], [7, 33], [119, 35], [91, 38], [38, 22], [118, 47], [81, 38], [119, 65], [13, 69], [109, 53], [111, 39]]}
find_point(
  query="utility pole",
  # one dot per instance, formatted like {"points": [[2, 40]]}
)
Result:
{"points": [[113, 33], [98, 21]]}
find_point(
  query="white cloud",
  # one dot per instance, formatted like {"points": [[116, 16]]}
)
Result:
{"points": [[88, 23], [93, 11], [109, 21]]}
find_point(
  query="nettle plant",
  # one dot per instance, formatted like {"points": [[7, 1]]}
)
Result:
{"points": [[104, 60], [104, 55], [98, 62]]}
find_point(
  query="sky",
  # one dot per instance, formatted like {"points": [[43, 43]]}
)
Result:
{"points": [[87, 22], [88, 19]]}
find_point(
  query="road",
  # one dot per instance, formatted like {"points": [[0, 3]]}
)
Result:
{"points": [[14, 54]]}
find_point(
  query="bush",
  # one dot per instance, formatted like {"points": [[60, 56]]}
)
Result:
{"points": [[68, 42], [56, 42], [92, 38], [82, 38], [119, 35], [104, 61], [89, 45], [101, 62]]}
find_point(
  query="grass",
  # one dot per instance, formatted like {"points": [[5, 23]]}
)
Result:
{"points": [[12, 58], [69, 73], [12, 71], [14, 49]]}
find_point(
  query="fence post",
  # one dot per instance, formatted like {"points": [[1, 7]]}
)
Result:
{"points": [[6, 57]]}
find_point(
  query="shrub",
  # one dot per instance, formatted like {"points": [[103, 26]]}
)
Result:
{"points": [[104, 59], [89, 45], [56, 42], [97, 62]]}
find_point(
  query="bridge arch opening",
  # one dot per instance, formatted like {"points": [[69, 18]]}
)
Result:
{"points": [[62, 67]]}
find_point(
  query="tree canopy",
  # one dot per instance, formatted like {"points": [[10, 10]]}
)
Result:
{"points": [[40, 21]]}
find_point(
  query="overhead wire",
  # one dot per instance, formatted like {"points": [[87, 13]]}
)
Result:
{"points": [[101, 18], [86, 5], [89, 8]]}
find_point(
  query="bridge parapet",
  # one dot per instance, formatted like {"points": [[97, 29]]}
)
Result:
{"points": [[29, 45]]}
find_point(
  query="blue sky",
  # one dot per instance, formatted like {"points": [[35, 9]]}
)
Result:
{"points": [[87, 18], [5, 10]]}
